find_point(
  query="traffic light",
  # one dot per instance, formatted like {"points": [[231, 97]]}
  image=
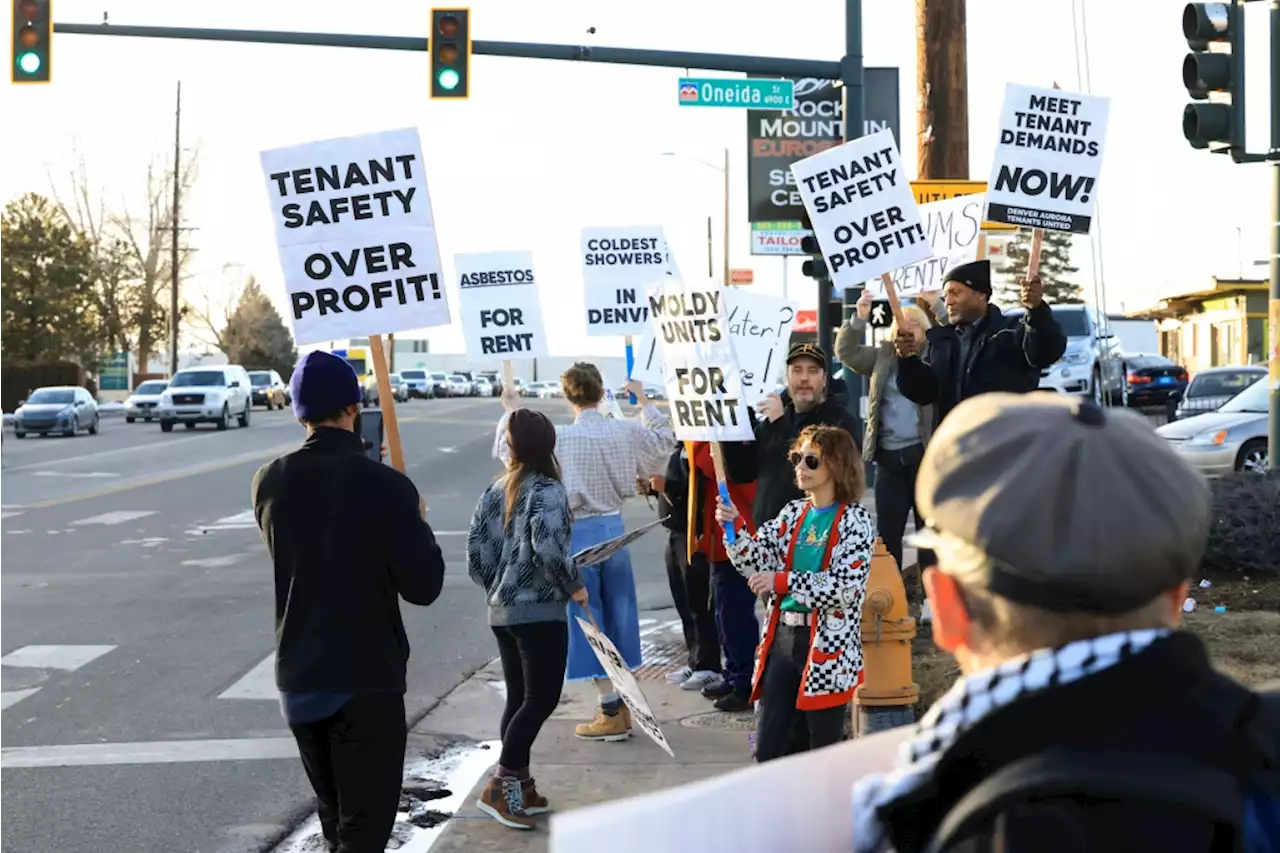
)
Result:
{"points": [[815, 266], [32, 40], [851, 296], [1214, 77], [450, 45]]}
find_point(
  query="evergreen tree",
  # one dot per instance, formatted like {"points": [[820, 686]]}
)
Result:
{"points": [[256, 335], [1056, 270]]}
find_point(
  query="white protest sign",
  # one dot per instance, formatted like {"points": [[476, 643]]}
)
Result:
{"points": [[498, 301], [703, 381], [356, 236], [1048, 159], [760, 329], [625, 683], [599, 553], [952, 226], [863, 209], [618, 265]]}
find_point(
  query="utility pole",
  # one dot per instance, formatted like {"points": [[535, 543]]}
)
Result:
{"points": [[943, 88], [1273, 340], [173, 236], [726, 217]]}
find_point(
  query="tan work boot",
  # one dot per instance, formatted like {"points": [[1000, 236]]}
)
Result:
{"points": [[503, 800], [534, 803], [606, 728]]}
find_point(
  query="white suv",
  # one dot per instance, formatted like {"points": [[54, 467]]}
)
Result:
{"points": [[206, 395]]}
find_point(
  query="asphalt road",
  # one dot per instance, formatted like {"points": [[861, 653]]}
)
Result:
{"points": [[139, 705]]}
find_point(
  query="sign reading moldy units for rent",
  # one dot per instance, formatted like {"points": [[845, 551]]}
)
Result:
{"points": [[1048, 159], [618, 265], [498, 301], [863, 211], [356, 236]]}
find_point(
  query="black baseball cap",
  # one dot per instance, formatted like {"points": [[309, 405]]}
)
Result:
{"points": [[812, 351]]}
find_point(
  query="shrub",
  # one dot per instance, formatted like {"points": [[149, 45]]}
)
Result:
{"points": [[19, 380], [1244, 535]]}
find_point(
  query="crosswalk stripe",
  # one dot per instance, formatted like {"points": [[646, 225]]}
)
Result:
{"points": [[68, 658], [154, 752], [117, 517], [257, 683], [4, 515], [9, 698]]}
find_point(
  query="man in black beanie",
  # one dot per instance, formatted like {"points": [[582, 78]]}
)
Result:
{"points": [[349, 539], [981, 350]]}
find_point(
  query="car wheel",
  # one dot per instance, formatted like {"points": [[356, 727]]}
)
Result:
{"points": [[166, 426], [190, 425], [244, 419], [17, 434], [1253, 458], [224, 420], [71, 431], [130, 420], [1097, 387], [93, 427]]}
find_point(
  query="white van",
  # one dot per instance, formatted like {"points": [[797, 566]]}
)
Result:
{"points": [[206, 395]]}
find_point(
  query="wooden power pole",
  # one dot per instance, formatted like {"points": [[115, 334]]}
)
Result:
{"points": [[943, 87]]}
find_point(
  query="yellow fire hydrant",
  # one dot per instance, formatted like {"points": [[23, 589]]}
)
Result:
{"points": [[885, 698]]}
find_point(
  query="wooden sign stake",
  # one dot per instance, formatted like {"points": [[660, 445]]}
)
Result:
{"points": [[387, 402]]}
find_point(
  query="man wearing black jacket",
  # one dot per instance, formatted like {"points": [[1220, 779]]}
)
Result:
{"points": [[981, 350], [764, 461], [349, 538]]}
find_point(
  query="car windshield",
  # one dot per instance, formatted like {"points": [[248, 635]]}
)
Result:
{"points": [[198, 379], [458, 377], [151, 387], [1074, 323], [1225, 383], [414, 374], [1252, 400], [1149, 361], [260, 378], [394, 378], [51, 396], [438, 376]]}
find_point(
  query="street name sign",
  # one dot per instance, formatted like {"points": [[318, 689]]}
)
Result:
{"points": [[745, 93]]}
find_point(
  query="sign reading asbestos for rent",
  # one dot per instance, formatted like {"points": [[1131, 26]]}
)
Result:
{"points": [[356, 236], [498, 301]]}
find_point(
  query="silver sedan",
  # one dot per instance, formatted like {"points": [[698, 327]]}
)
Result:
{"points": [[1234, 438]]}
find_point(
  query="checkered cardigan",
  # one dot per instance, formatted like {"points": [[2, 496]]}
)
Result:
{"points": [[834, 594]]}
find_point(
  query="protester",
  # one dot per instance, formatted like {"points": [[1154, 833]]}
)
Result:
{"points": [[813, 561], [982, 350], [518, 552], [764, 461], [735, 603], [896, 428], [600, 458], [1084, 720], [347, 537], [690, 584]]}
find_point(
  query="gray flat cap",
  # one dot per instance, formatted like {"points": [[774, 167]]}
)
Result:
{"points": [[1052, 502]]}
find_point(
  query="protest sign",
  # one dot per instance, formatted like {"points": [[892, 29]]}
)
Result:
{"points": [[953, 228], [760, 330], [356, 236], [599, 553], [863, 211], [618, 264], [1048, 159], [703, 381], [625, 684], [498, 301]]}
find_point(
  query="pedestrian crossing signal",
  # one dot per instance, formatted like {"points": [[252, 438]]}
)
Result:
{"points": [[32, 41], [450, 46]]}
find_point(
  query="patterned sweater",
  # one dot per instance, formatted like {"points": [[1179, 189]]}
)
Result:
{"points": [[528, 573]]}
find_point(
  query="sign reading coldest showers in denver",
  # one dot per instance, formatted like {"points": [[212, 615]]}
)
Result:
{"points": [[618, 264], [863, 211], [356, 236]]}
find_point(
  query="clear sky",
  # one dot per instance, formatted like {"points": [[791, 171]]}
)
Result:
{"points": [[544, 148]]}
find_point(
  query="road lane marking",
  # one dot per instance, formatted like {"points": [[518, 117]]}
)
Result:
{"points": [[67, 460], [4, 515], [240, 521], [90, 475], [10, 698], [216, 562], [153, 752], [257, 683], [117, 517], [68, 658]]}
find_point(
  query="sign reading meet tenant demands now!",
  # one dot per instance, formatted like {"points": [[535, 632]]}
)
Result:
{"points": [[618, 265], [863, 211], [498, 301], [1048, 159], [356, 236]]}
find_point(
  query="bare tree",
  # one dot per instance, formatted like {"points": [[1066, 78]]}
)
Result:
{"points": [[209, 316]]}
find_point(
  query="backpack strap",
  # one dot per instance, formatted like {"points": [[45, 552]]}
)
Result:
{"points": [[1150, 777]]}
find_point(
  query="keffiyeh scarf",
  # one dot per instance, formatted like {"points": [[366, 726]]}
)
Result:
{"points": [[968, 701]]}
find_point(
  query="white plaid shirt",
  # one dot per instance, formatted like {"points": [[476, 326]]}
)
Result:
{"points": [[601, 457]]}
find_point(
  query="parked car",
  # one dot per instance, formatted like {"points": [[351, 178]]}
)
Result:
{"points": [[206, 395], [1151, 380], [483, 387], [372, 396], [439, 384], [495, 382], [418, 383], [1211, 388], [268, 389], [531, 389], [66, 409], [1091, 366], [550, 390], [144, 399], [459, 386], [1234, 438]]}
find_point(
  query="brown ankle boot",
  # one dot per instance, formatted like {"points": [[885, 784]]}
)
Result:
{"points": [[503, 800], [534, 803]]}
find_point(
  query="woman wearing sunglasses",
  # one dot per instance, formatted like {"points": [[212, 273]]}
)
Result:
{"points": [[812, 563]]}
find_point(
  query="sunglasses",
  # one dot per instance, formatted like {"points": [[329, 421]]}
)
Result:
{"points": [[811, 460]]}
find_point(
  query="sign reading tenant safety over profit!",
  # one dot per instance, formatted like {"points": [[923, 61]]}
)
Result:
{"points": [[618, 265], [498, 301], [863, 211], [1048, 159], [703, 381], [356, 236]]}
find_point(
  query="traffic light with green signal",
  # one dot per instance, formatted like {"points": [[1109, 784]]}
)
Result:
{"points": [[32, 41], [1214, 75], [450, 45]]}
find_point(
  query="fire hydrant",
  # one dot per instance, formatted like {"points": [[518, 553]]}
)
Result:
{"points": [[886, 697]]}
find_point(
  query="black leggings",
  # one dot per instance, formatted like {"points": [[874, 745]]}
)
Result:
{"points": [[533, 664]]}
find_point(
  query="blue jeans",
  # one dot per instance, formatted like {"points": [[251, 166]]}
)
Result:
{"points": [[611, 590], [739, 628]]}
